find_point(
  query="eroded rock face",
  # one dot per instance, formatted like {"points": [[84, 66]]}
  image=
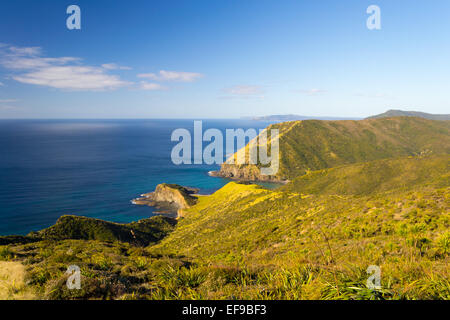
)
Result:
{"points": [[169, 198], [244, 172]]}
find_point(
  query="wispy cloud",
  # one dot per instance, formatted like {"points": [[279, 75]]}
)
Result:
{"points": [[7, 107], [72, 78], [15, 62], [312, 92], [30, 67], [113, 66], [26, 51], [244, 92], [176, 76], [149, 86], [7, 104]]}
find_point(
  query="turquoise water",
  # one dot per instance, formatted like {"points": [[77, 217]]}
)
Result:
{"points": [[92, 168]]}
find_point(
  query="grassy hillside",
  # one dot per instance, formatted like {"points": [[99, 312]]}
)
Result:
{"points": [[247, 242], [313, 145], [375, 176], [292, 245], [288, 246], [313, 238]]}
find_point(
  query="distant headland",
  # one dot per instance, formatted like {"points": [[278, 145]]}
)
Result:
{"points": [[388, 114]]}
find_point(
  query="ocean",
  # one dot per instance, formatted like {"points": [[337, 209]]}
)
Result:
{"points": [[92, 168]]}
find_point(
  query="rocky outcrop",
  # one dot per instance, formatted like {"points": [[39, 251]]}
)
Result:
{"points": [[244, 173], [168, 198]]}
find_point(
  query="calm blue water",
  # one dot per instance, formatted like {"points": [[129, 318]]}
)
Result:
{"points": [[93, 168]]}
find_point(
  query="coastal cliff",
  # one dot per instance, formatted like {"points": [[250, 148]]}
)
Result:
{"points": [[245, 173]]}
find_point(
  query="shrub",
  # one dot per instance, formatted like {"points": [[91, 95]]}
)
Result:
{"points": [[6, 254]]}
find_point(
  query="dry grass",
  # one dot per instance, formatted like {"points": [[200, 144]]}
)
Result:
{"points": [[12, 285]]}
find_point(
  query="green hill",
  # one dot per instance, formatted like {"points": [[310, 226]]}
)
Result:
{"points": [[376, 176], [313, 145], [400, 113], [142, 232]]}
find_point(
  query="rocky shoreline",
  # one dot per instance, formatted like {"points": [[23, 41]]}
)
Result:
{"points": [[172, 199]]}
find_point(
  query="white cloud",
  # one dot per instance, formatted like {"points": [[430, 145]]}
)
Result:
{"points": [[29, 65], [1, 84], [61, 73], [177, 76], [72, 78], [113, 66], [7, 100], [144, 85]]}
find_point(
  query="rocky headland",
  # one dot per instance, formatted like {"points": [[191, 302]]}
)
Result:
{"points": [[169, 198]]}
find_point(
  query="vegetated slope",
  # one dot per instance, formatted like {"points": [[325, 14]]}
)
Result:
{"points": [[314, 145], [401, 113], [375, 176], [247, 242], [247, 222], [142, 232], [335, 238]]}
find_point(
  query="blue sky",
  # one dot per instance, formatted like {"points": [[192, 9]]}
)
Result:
{"points": [[222, 59]]}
